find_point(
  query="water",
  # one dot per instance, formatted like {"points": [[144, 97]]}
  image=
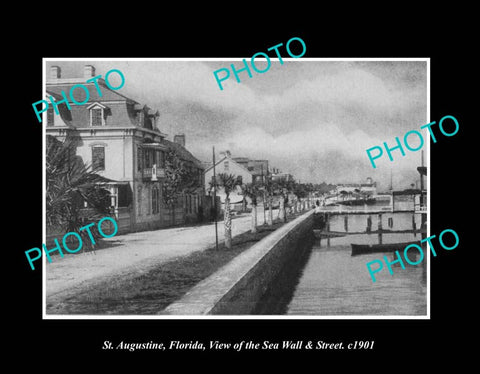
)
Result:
{"points": [[334, 283]]}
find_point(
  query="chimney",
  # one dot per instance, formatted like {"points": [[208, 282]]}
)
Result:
{"points": [[55, 72], [179, 139], [88, 71]]}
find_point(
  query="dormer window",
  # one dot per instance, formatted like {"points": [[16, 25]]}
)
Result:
{"points": [[97, 117], [97, 114]]}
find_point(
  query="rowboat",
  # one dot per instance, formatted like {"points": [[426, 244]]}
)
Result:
{"points": [[321, 234], [363, 249]]}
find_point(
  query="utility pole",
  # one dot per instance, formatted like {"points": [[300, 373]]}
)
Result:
{"points": [[421, 181], [215, 199], [264, 214], [422, 199]]}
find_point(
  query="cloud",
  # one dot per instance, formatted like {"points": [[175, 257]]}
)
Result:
{"points": [[313, 119]]}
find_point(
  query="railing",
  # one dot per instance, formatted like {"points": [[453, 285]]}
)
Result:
{"points": [[420, 208], [420, 203], [153, 173]]}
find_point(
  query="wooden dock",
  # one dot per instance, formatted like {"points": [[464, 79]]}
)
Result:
{"points": [[322, 228], [333, 234], [363, 211]]}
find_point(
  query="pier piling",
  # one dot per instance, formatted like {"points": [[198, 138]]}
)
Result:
{"points": [[380, 229], [414, 225]]}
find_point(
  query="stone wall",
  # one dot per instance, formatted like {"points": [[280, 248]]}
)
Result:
{"points": [[236, 288]]}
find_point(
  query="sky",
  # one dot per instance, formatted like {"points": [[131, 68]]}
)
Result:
{"points": [[309, 117]]}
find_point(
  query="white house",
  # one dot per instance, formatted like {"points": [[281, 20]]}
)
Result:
{"points": [[227, 165]]}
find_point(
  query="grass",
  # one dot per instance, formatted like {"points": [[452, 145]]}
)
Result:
{"points": [[154, 290]]}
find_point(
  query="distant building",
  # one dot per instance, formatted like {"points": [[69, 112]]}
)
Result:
{"points": [[257, 168], [368, 188], [227, 165], [277, 175], [245, 169], [122, 138]]}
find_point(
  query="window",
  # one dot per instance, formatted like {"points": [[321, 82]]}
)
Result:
{"points": [[226, 165], [50, 119], [149, 122], [148, 158], [155, 201], [159, 159], [149, 200], [139, 200], [98, 158], [98, 113], [97, 117], [139, 159]]}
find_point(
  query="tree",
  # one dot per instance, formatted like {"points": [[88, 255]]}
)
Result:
{"points": [[299, 189], [229, 182], [252, 191], [270, 189], [283, 187], [178, 179], [70, 183]]}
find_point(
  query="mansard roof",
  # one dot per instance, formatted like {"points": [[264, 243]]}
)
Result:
{"points": [[79, 94], [121, 109]]}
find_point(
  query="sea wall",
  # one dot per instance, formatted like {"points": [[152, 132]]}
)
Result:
{"points": [[236, 288]]}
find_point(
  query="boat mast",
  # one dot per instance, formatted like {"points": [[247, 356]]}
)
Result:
{"points": [[391, 189], [391, 181]]}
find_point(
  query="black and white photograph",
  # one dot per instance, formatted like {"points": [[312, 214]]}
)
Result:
{"points": [[241, 194], [293, 192]]}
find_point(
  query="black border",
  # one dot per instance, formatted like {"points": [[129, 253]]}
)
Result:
{"points": [[403, 339]]}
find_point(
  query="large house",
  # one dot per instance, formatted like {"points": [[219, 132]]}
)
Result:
{"points": [[122, 139]]}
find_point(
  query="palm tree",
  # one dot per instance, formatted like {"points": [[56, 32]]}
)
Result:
{"points": [[268, 188], [251, 191], [283, 187], [69, 185], [229, 183]]}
